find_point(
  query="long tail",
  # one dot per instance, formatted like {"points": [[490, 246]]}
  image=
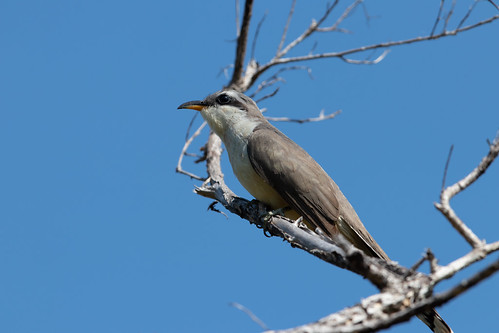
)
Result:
{"points": [[433, 320]]}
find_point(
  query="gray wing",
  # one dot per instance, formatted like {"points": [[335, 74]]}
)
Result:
{"points": [[306, 187]]}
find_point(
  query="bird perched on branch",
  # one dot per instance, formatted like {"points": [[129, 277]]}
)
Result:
{"points": [[279, 173]]}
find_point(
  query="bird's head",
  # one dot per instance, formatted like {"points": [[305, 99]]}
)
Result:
{"points": [[228, 110]]}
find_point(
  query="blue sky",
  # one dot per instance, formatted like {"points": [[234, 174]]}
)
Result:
{"points": [[99, 234]]}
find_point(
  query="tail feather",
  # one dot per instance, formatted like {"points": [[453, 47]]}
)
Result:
{"points": [[433, 320]]}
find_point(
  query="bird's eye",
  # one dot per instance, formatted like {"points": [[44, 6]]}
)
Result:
{"points": [[223, 99]]}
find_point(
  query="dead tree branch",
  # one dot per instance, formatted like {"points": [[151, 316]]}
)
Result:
{"points": [[321, 117], [188, 142], [447, 194], [242, 43], [310, 30], [286, 27], [493, 4], [368, 316], [383, 45], [343, 16]]}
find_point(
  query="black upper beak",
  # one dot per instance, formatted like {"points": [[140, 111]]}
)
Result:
{"points": [[193, 105]]}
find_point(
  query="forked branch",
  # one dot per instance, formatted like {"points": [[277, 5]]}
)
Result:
{"points": [[448, 193]]}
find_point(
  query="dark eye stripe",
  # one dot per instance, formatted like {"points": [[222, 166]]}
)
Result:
{"points": [[223, 99]]}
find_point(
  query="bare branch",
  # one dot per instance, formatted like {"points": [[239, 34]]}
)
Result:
{"points": [[449, 14], [477, 254], [343, 16], [250, 314], [321, 117], [258, 27], [466, 284], [238, 31], [293, 68], [311, 29], [187, 133], [444, 178], [286, 27], [465, 17], [493, 4], [447, 194], [433, 261], [184, 150], [225, 71], [388, 308], [242, 42], [272, 94], [366, 62], [427, 256], [340, 54], [439, 17], [275, 78], [266, 84]]}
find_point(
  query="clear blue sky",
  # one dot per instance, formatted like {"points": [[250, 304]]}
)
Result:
{"points": [[99, 234]]}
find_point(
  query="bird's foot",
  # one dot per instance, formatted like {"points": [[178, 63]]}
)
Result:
{"points": [[279, 211], [267, 217]]}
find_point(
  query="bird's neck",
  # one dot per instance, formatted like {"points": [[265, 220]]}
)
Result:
{"points": [[233, 129]]}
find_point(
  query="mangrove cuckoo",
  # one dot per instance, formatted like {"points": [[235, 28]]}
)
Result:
{"points": [[279, 173]]}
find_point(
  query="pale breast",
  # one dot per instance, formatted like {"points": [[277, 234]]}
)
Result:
{"points": [[252, 182]]}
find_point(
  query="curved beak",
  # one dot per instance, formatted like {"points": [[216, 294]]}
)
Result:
{"points": [[193, 105]]}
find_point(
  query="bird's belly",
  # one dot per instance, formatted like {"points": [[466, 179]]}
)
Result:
{"points": [[253, 183], [258, 188]]}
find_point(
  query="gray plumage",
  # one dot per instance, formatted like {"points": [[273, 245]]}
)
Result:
{"points": [[306, 187], [278, 172]]}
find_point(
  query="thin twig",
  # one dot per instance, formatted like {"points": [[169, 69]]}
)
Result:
{"points": [[468, 13], [183, 153], [439, 17], [311, 29], [225, 71], [257, 32], [493, 4], [367, 16], [286, 27], [321, 117], [275, 78], [432, 260], [250, 314], [293, 68], [343, 16], [266, 84], [449, 14], [427, 256], [366, 62], [272, 94], [187, 133], [444, 178]]}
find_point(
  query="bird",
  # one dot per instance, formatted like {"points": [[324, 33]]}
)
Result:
{"points": [[278, 172]]}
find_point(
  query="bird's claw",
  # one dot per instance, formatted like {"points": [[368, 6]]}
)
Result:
{"points": [[267, 217]]}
